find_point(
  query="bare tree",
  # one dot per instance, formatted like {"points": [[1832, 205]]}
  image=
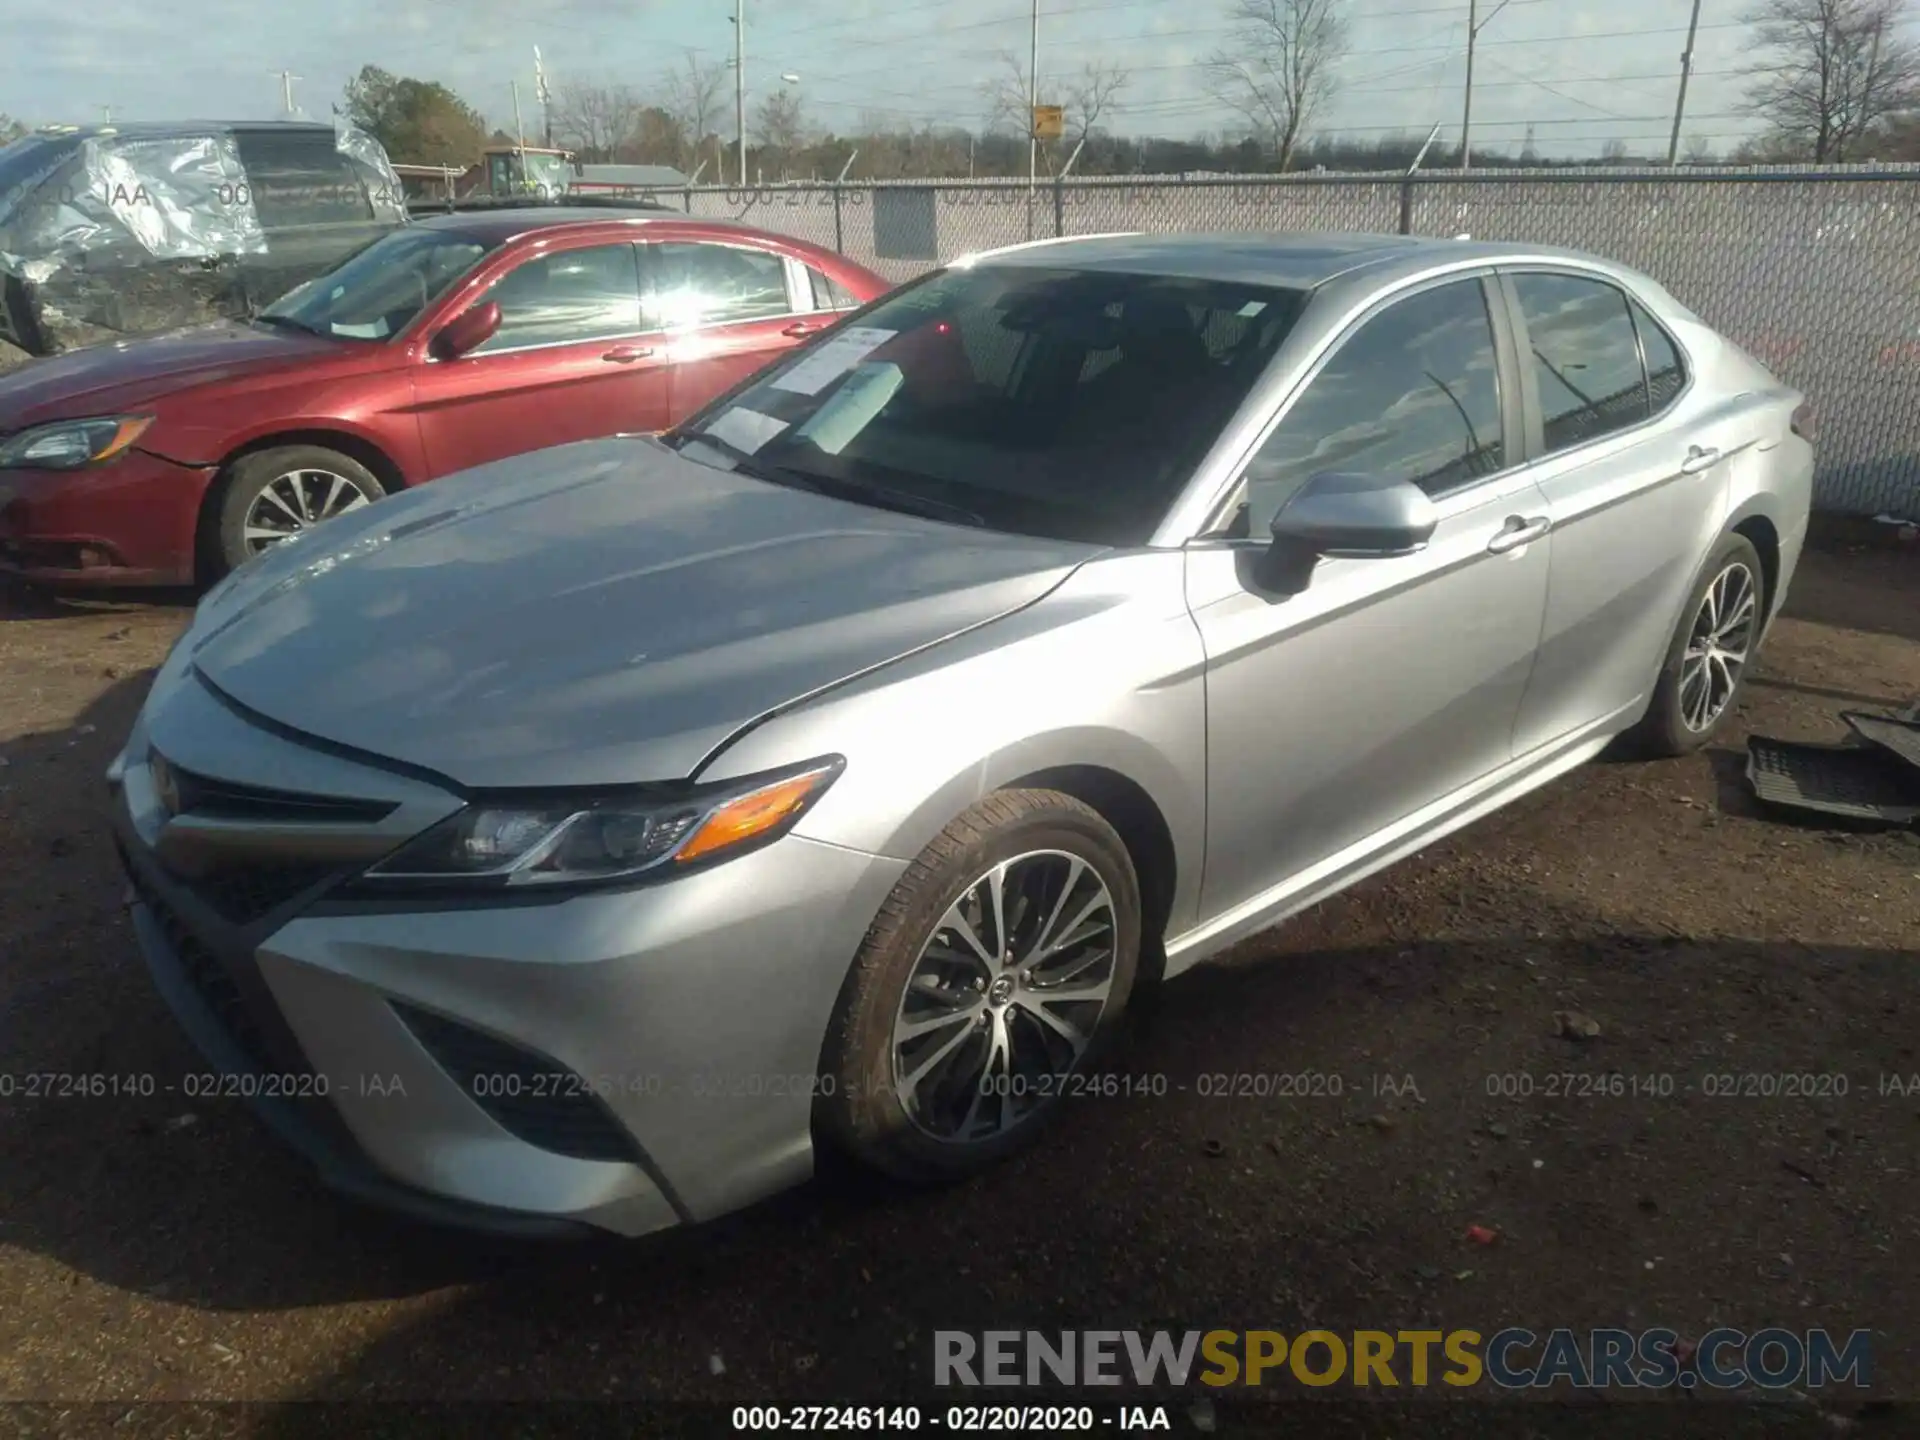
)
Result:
{"points": [[1004, 96], [1279, 68], [1699, 150], [695, 97], [594, 121], [779, 127], [1835, 70], [1086, 98], [1090, 95]]}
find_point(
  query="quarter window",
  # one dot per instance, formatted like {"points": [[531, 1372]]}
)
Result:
{"points": [[1586, 358], [1413, 395], [696, 284], [569, 295], [1665, 374]]}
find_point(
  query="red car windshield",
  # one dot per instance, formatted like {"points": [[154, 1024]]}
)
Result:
{"points": [[377, 292]]}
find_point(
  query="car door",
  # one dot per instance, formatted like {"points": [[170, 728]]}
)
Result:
{"points": [[1385, 685], [1634, 507], [572, 360], [727, 310]]}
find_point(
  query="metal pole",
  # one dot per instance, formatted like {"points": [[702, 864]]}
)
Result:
{"points": [[740, 82], [1474, 27], [1686, 69], [1033, 103], [1466, 109], [519, 131]]}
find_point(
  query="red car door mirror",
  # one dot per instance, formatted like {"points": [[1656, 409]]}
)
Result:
{"points": [[467, 331]]}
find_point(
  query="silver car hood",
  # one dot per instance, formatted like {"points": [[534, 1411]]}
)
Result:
{"points": [[602, 613]]}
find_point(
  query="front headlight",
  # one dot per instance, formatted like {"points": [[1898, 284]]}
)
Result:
{"points": [[72, 444], [575, 842]]}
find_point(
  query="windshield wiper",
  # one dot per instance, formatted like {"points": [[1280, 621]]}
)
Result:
{"points": [[902, 500], [859, 491], [288, 321]]}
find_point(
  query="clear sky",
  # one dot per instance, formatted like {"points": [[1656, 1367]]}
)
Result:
{"points": [[1579, 71]]}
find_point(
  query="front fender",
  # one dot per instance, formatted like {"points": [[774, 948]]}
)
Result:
{"points": [[1107, 673]]}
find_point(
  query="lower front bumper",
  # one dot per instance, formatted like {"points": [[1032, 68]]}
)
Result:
{"points": [[693, 1012], [340, 1166], [132, 522]]}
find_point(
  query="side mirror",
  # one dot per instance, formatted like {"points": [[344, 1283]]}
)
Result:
{"points": [[1355, 516], [467, 331]]}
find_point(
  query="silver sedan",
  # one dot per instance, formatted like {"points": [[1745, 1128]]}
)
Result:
{"points": [[586, 840]]}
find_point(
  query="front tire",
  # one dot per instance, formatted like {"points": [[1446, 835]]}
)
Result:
{"points": [[1710, 655], [996, 972], [271, 495]]}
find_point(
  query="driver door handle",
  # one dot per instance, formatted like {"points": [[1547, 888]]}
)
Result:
{"points": [[1519, 530], [1699, 457], [804, 327], [626, 354]]}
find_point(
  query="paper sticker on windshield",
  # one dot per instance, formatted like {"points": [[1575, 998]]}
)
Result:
{"points": [[833, 359], [1251, 309], [746, 430]]}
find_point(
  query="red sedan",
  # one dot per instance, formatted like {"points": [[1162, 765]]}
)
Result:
{"points": [[443, 345]]}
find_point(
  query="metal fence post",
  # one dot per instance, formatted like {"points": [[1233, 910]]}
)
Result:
{"points": [[1406, 205], [839, 239], [1059, 206]]}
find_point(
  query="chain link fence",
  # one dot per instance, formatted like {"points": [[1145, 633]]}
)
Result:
{"points": [[1816, 272]]}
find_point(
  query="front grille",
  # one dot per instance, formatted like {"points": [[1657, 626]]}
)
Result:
{"points": [[527, 1095], [197, 794], [245, 894], [207, 976]]}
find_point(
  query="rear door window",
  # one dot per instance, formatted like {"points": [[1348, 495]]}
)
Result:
{"points": [[698, 284], [828, 293], [1586, 358]]}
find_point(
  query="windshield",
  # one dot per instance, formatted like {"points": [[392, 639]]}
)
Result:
{"points": [[1071, 404], [375, 294]]}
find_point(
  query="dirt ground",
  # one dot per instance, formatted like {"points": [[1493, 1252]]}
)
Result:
{"points": [[154, 1250]]}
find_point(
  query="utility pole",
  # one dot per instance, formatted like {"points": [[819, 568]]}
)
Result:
{"points": [[1686, 70], [1033, 105], [287, 77], [544, 96], [519, 130], [1474, 27], [740, 82]]}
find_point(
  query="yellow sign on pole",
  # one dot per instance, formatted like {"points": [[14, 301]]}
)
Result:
{"points": [[1049, 122]]}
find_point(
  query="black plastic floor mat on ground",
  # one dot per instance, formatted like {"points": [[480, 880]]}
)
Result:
{"points": [[1853, 782]]}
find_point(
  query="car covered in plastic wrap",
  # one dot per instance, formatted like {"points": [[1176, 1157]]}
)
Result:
{"points": [[118, 230]]}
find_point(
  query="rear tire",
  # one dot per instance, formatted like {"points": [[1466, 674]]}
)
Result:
{"points": [[268, 490], [942, 1057], [1711, 653]]}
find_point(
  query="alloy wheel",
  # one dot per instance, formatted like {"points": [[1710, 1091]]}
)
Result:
{"points": [[1718, 647], [1004, 997], [296, 501]]}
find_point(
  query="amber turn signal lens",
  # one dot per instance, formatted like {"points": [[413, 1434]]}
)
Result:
{"points": [[748, 816], [130, 430]]}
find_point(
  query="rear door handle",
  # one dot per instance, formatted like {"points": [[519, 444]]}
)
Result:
{"points": [[1699, 457], [626, 354], [804, 327], [1520, 530]]}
